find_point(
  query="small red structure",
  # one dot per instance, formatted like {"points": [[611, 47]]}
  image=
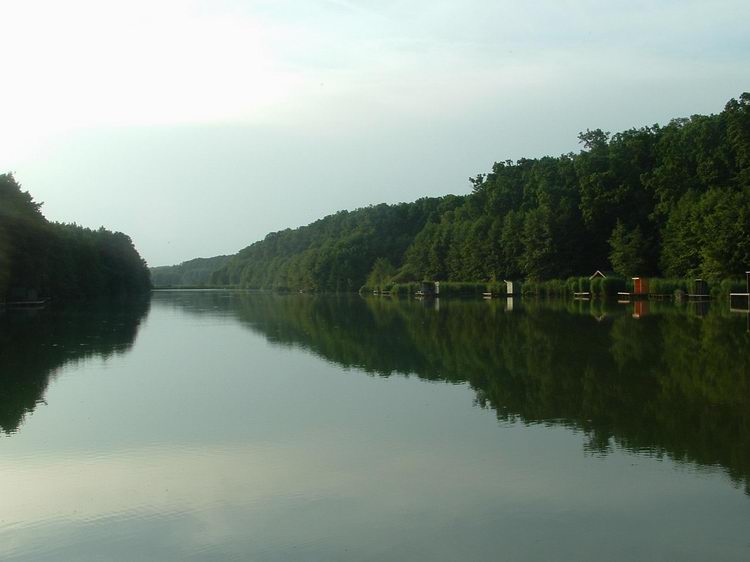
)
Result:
{"points": [[640, 286]]}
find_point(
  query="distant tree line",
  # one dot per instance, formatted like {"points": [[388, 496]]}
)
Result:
{"points": [[335, 253], [668, 200], [41, 259], [194, 273]]}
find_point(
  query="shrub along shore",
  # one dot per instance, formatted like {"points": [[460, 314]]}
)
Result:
{"points": [[596, 287]]}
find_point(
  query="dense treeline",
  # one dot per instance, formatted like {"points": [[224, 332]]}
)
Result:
{"points": [[193, 273], [671, 200], [668, 200], [334, 253], [40, 259]]}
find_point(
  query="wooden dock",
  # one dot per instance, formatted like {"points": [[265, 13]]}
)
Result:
{"points": [[26, 304], [629, 296], [626, 297]]}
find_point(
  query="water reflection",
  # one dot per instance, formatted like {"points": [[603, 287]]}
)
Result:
{"points": [[657, 380], [35, 344]]}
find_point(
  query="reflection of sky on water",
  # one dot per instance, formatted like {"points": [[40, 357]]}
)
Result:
{"points": [[206, 441]]}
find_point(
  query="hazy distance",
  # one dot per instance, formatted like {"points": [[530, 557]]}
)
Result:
{"points": [[198, 127]]}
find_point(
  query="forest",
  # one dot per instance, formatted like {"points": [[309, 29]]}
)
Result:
{"points": [[40, 259], [670, 201], [192, 273], [337, 252]]}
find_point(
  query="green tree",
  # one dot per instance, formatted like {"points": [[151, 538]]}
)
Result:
{"points": [[381, 274], [61, 260], [678, 191], [628, 248]]}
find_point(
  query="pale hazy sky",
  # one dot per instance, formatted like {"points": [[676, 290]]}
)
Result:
{"points": [[199, 126]]}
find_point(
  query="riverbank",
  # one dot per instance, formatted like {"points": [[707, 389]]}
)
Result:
{"points": [[593, 287]]}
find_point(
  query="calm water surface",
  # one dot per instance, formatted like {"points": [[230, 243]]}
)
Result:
{"points": [[235, 426]]}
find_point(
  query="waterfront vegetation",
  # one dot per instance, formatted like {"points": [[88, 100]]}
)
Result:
{"points": [[597, 287], [669, 202], [41, 259]]}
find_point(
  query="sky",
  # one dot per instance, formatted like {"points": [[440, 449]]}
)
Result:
{"points": [[197, 127]]}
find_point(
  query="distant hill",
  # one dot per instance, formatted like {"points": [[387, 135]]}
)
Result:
{"points": [[337, 252], [670, 200], [192, 273]]}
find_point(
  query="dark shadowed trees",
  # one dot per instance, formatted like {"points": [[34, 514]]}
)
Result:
{"points": [[40, 259]]}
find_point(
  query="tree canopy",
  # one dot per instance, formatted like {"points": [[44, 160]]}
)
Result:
{"points": [[659, 200], [40, 259]]}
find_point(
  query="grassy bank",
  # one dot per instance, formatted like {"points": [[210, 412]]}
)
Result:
{"points": [[447, 288], [598, 287]]}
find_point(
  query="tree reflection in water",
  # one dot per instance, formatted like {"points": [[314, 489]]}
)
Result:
{"points": [[659, 380], [35, 344]]}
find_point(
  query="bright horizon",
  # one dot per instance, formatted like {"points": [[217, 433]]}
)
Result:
{"points": [[199, 127]]}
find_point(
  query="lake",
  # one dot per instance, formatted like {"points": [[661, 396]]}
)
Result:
{"points": [[217, 425]]}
